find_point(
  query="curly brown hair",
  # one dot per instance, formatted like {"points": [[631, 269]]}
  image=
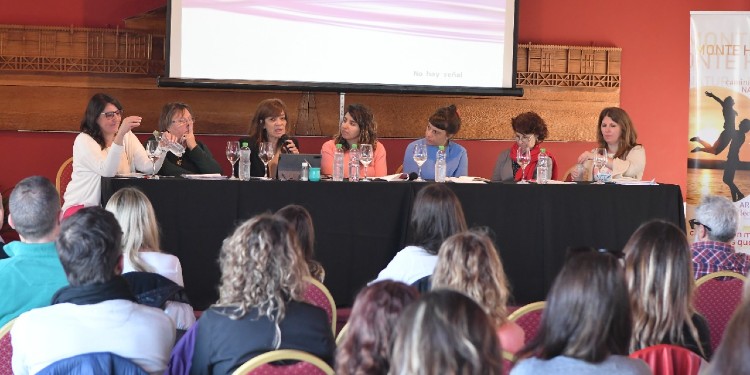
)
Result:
{"points": [[530, 123]]}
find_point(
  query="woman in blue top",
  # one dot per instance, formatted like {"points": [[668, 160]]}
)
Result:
{"points": [[441, 127]]}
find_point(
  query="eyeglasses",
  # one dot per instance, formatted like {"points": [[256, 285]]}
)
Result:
{"points": [[112, 114], [525, 138], [694, 222], [183, 121]]}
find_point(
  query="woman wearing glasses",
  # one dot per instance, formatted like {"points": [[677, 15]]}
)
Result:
{"points": [[177, 119], [442, 126], [105, 147], [530, 131]]}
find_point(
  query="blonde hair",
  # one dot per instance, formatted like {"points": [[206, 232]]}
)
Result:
{"points": [[659, 274], [140, 230], [261, 268], [469, 263]]}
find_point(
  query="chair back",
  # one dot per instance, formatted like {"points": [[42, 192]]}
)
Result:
{"points": [[94, 363], [717, 296], [262, 365], [318, 295], [342, 334], [509, 360], [64, 175], [528, 317], [664, 359], [6, 349]]}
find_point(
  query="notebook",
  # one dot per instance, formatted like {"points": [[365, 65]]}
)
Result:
{"points": [[290, 165]]}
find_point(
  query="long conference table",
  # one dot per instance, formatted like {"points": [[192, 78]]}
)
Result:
{"points": [[359, 227]]}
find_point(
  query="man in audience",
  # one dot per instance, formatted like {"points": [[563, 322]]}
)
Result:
{"points": [[33, 272], [715, 225], [97, 312]]}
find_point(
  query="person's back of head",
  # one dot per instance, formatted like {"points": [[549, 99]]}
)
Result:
{"points": [[34, 208], [720, 215], [469, 263], [89, 246], [587, 315], [445, 332], [135, 214], [436, 215], [366, 346]]}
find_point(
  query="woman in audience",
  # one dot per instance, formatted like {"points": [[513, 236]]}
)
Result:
{"points": [[530, 131], [469, 263], [445, 332], [177, 119], [301, 221], [366, 346], [731, 355], [268, 125], [260, 305], [105, 147], [442, 126], [140, 247], [586, 324], [357, 127], [659, 272], [436, 215], [625, 156]]}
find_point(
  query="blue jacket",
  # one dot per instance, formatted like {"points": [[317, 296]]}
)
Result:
{"points": [[457, 161]]}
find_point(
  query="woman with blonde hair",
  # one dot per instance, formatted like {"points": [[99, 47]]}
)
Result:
{"points": [[260, 305], [659, 273], [469, 263], [141, 249]]}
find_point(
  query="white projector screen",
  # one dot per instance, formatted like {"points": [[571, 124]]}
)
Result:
{"points": [[430, 46]]}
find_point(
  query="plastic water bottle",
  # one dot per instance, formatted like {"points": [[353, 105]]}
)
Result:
{"points": [[338, 163], [354, 163], [244, 162], [440, 165], [304, 173], [542, 167]]}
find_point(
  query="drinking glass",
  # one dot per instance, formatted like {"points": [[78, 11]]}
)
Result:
{"points": [[365, 157], [523, 157], [600, 162], [420, 157], [154, 152], [266, 152], [233, 154]]}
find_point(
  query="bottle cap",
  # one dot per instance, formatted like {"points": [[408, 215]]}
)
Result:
{"points": [[304, 164], [244, 144], [339, 145], [543, 150], [441, 148], [354, 146]]}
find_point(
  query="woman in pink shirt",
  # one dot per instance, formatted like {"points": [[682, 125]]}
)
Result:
{"points": [[357, 127]]}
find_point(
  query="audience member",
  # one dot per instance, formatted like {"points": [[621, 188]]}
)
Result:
{"points": [[33, 272], [268, 125], [586, 324], [660, 281], [178, 120], [106, 146], [530, 131], [469, 263], [436, 215], [616, 133], [731, 355], [97, 312], [357, 127], [445, 332], [715, 225], [302, 224], [366, 346], [442, 126], [260, 304], [140, 247]]}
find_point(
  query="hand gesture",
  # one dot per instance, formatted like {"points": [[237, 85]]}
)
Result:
{"points": [[189, 138], [290, 147], [128, 123], [586, 155]]}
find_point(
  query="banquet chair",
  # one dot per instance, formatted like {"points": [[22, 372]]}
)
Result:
{"points": [[307, 364], [528, 317], [509, 360], [318, 295], [665, 359], [342, 334], [64, 175], [717, 296], [6, 350]]}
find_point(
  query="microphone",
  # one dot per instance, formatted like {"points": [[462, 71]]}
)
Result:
{"points": [[413, 176], [284, 138]]}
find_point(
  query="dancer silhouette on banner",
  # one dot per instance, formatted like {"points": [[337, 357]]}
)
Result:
{"points": [[727, 108], [733, 159]]}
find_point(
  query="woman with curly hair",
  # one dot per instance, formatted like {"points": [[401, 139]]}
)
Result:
{"points": [[260, 306], [530, 131], [469, 263], [357, 127], [366, 347]]}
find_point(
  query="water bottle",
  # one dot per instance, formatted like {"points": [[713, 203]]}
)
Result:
{"points": [[244, 162], [354, 163], [304, 174], [440, 165], [542, 167], [338, 163]]}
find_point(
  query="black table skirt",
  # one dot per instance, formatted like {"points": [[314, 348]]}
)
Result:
{"points": [[359, 227]]}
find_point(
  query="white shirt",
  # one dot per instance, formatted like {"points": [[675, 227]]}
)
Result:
{"points": [[166, 265], [42, 336], [409, 265]]}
